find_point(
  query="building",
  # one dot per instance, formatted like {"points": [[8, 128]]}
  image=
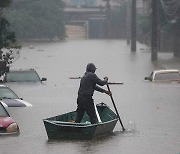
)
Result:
{"points": [[90, 3]]}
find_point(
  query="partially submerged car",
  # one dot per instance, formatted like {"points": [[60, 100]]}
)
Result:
{"points": [[170, 75], [9, 99], [29, 75], [7, 124]]}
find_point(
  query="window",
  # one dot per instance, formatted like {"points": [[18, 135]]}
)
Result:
{"points": [[22, 76], [5, 92], [3, 112], [167, 76]]}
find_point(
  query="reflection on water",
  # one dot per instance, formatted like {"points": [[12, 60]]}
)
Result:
{"points": [[131, 127], [149, 111], [90, 146]]}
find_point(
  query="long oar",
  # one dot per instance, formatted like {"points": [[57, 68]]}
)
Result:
{"points": [[108, 82], [97, 114], [115, 108]]}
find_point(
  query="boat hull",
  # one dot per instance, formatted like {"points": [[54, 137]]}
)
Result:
{"points": [[61, 127]]}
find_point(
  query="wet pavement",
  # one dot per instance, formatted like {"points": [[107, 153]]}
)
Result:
{"points": [[149, 111]]}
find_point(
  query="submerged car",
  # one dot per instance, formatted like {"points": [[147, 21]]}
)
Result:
{"points": [[29, 75], [7, 124], [10, 99], [171, 75]]}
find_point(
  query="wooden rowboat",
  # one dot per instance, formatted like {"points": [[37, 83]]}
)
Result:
{"points": [[64, 127]]}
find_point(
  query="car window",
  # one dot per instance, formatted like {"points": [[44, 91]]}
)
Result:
{"points": [[3, 112], [22, 76], [167, 76], [6, 92]]}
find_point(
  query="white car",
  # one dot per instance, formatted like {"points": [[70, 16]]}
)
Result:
{"points": [[9, 99], [170, 75]]}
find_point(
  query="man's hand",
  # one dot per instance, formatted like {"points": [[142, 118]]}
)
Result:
{"points": [[106, 78], [108, 93]]}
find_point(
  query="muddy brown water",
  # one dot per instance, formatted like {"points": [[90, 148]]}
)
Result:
{"points": [[149, 111]]}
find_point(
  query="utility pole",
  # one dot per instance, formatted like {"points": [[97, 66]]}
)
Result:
{"points": [[108, 9], [133, 26], [128, 22], [154, 32]]}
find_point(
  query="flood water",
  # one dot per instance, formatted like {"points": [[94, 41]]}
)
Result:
{"points": [[149, 111]]}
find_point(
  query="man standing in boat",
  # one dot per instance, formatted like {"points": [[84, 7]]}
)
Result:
{"points": [[88, 84]]}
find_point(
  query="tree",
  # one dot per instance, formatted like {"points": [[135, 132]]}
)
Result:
{"points": [[168, 24], [7, 38], [40, 19], [7, 41], [5, 3], [118, 21]]}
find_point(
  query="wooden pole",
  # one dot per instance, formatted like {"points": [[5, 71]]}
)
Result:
{"points": [[116, 109]]}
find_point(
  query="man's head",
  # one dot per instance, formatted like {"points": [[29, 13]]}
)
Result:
{"points": [[91, 68]]}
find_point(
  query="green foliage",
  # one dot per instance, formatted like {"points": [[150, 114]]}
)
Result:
{"points": [[7, 37], [164, 24], [118, 21], [5, 3], [144, 23], [40, 19]]}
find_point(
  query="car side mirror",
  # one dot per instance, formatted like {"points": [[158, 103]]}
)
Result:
{"points": [[147, 78], [44, 79]]}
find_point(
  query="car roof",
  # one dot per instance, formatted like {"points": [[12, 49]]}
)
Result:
{"points": [[3, 85], [166, 71], [20, 70]]}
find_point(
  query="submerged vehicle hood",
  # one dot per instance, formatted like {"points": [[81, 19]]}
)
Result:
{"points": [[6, 121], [15, 103]]}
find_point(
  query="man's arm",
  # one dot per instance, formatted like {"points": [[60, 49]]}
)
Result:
{"points": [[98, 81], [97, 88]]}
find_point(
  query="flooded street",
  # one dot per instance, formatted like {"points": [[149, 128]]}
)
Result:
{"points": [[149, 111]]}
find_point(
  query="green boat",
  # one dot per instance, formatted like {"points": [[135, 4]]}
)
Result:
{"points": [[64, 126]]}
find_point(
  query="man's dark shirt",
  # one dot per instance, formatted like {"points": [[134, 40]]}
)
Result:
{"points": [[88, 85]]}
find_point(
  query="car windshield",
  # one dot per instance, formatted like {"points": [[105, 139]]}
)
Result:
{"points": [[167, 76], [3, 112], [6, 92], [22, 76]]}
